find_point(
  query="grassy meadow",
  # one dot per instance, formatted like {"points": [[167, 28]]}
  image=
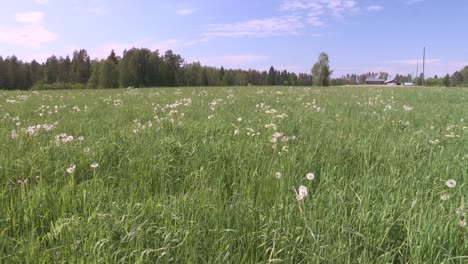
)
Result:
{"points": [[212, 175]]}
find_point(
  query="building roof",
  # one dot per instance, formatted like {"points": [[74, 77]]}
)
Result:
{"points": [[375, 80]]}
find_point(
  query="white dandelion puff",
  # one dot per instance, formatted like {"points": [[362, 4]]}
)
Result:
{"points": [[278, 175], [71, 169], [302, 191], [94, 165], [310, 176], [451, 183]]}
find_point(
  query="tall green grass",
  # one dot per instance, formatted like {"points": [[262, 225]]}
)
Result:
{"points": [[193, 181]]}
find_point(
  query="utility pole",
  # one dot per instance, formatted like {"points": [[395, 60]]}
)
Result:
{"points": [[424, 65]]}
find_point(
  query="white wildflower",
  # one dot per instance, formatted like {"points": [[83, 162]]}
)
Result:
{"points": [[462, 223], [310, 176], [444, 197], [14, 134], [407, 108], [301, 193], [277, 134], [71, 169], [278, 175], [451, 183]]}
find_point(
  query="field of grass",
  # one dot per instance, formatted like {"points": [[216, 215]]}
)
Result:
{"points": [[211, 175]]}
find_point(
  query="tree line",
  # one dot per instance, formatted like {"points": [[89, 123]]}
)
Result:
{"points": [[136, 68], [145, 68]]}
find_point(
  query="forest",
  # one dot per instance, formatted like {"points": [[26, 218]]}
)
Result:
{"points": [[141, 67]]}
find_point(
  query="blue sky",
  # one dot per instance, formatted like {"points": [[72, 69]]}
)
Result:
{"points": [[358, 35]]}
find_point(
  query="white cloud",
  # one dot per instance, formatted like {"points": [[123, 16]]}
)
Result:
{"points": [[316, 9], [30, 31], [414, 61], [257, 27], [41, 2], [375, 8], [185, 12], [295, 16], [30, 17], [97, 10], [27, 35], [411, 2]]}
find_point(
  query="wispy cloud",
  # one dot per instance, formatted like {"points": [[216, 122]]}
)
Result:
{"points": [[97, 10], [317, 9], [375, 8], [185, 12], [294, 16], [29, 18], [29, 31], [414, 61], [412, 2], [41, 2], [257, 27]]}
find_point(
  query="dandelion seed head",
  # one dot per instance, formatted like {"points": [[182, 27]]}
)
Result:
{"points": [[278, 175], [94, 165], [302, 190], [71, 169], [310, 176], [451, 183]]}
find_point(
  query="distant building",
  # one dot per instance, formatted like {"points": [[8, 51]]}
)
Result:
{"points": [[392, 82], [375, 81]]}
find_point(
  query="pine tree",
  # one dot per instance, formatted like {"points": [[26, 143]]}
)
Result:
{"points": [[271, 78]]}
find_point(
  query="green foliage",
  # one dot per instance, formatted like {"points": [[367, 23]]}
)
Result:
{"points": [[271, 79], [321, 70], [146, 68]]}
